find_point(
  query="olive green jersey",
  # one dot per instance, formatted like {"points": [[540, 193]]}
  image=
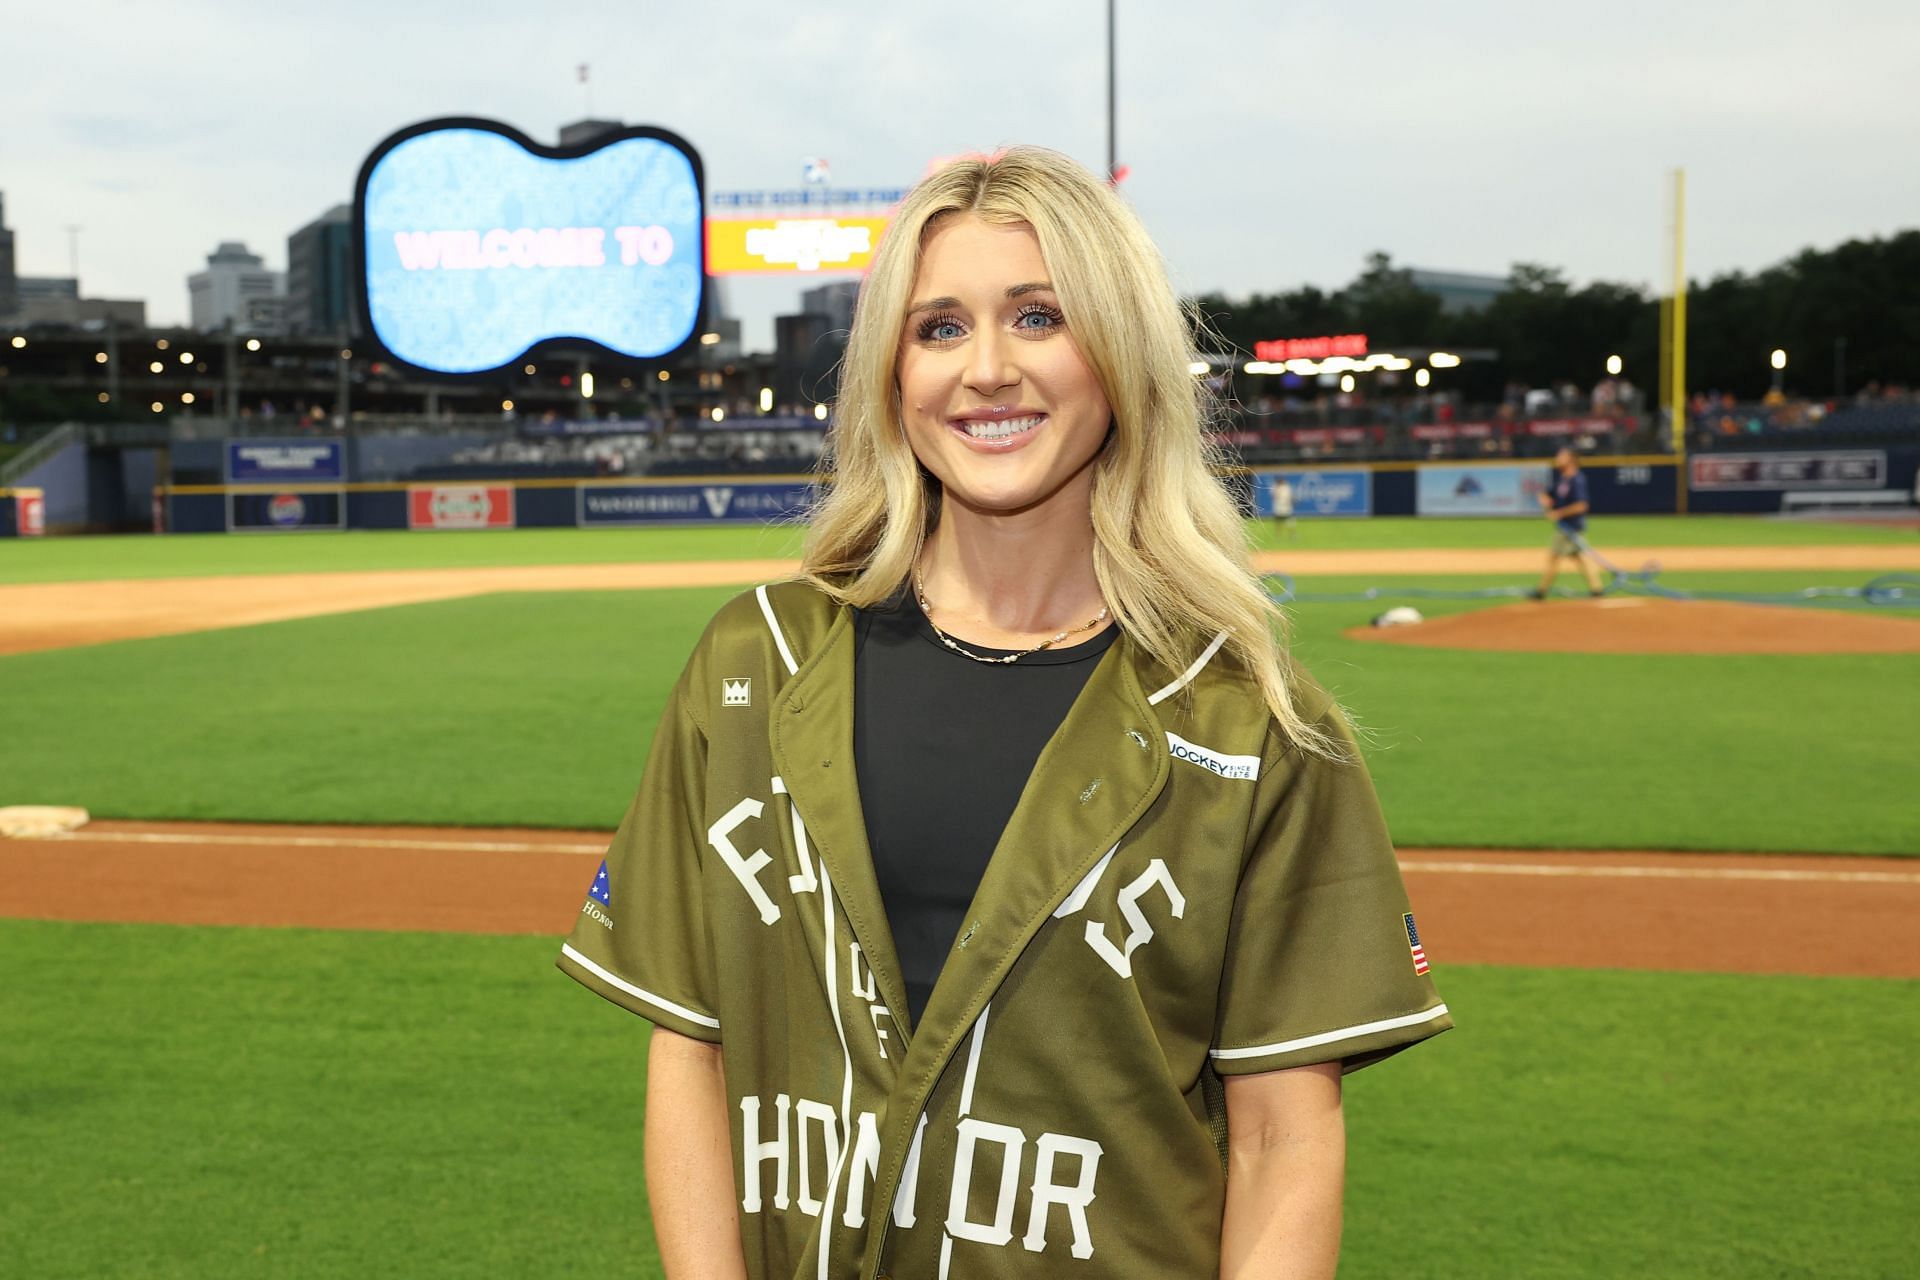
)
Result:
{"points": [[1179, 896]]}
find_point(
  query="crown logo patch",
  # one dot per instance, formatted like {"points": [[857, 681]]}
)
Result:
{"points": [[736, 692]]}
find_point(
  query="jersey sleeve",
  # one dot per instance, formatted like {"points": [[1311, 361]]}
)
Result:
{"points": [[642, 940], [1324, 961]]}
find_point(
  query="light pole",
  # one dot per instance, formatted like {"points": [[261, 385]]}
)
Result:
{"points": [[1113, 155], [1779, 362]]}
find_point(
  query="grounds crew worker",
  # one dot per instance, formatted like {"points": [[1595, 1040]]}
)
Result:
{"points": [[999, 889]]}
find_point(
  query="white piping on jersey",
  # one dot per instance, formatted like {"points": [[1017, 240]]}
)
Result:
{"points": [[773, 625], [973, 1061], [966, 1101], [846, 1055], [614, 979], [1332, 1037], [1084, 890], [1186, 677]]}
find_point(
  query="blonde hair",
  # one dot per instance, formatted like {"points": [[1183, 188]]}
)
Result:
{"points": [[1170, 549]]}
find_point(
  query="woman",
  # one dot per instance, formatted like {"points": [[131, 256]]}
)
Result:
{"points": [[1005, 903]]}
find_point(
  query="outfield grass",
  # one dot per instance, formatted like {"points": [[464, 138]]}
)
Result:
{"points": [[203, 555], [1383, 533], [513, 709], [183, 1103], [143, 556]]}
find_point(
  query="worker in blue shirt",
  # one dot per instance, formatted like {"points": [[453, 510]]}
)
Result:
{"points": [[1564, 502]]}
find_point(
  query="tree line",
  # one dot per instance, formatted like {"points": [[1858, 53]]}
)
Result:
{"points": [[1848, 317]]}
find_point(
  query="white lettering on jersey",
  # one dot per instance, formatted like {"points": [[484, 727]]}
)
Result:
{"points": [[745, 870], [860, 978], [904, 1213], [794, 1125], [1074, 1199], [754, 1152], [1012, 1143], [804, 1112], [1139, 930], [1245, 768], [877, 1012], [805, 881], [865, 1163]]}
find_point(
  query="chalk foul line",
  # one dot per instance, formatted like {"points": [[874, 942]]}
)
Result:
{"points": [[327, 842], [596, 849], [1663, 873]]}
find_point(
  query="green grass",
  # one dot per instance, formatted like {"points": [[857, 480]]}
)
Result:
{"points": [[284, 1103], [494, 710], [514, 709], [235, 1103], [203, 555], [1641, 1124], [142, 556], [1396, 532]]}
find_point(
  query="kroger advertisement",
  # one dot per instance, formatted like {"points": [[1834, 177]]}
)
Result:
{"points": [[615, 504], [1503, 489], [479, 244], [1317, 493]]}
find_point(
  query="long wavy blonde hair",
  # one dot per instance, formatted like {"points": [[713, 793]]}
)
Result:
{"points": [[1170, 549]]}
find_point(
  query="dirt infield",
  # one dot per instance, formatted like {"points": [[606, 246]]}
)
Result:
{"points": [[60, 615], [1699, 912], [1638, 624]]}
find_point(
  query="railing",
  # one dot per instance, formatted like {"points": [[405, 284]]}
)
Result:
{"points": [[38, 451]]}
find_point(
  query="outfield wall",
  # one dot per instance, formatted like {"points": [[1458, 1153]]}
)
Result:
{"points": [[307, 485]]}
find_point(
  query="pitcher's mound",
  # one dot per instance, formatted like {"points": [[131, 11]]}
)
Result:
{"points": [[1637, 624]]}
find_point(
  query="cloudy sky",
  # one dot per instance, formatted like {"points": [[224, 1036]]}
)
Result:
{"points": [[1271, 144]]}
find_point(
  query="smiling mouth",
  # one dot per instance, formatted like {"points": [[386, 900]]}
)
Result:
{"points": [[999, 429]]}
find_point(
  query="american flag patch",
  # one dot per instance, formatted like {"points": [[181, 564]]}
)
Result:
{"points": [[602, 893], [1413, 942]]}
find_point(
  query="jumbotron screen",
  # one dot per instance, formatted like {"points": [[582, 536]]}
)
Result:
{"points": [[478, 244]]}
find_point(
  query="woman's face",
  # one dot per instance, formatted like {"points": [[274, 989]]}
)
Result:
{"points": [[998, 402]]}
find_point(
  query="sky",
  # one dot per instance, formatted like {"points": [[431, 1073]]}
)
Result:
{"points": [[1270, 144]]}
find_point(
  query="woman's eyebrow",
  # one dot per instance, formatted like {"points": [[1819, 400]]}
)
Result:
{"points": [[944, 304]]}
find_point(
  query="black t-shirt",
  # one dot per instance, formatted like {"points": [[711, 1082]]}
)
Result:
{"points": [[943, 746]]}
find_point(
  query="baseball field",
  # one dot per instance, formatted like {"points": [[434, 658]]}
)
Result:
{"points": [[286, 1008]]}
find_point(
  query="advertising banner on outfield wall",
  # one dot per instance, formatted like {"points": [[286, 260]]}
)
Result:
{"points": [[287, 511], [1852, 469], [1503, 489], [1318, 493], [613, 504], [460, 506], [285, 462]]}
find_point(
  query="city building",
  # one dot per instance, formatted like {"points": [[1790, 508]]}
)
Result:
{"points": [[806, 352], [833, 300], [220, 296], [30, 289], [8, 293], [321, 286], [582, 132], [1459, 291]]}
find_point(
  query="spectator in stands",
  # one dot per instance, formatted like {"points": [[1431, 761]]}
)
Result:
{"points": [[1564, 502]]}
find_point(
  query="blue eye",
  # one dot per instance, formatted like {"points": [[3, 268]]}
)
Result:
{"points": [[1050, 317], [939, 329]]}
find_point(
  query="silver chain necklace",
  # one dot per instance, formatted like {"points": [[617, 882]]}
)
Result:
{"points": [[926, 609]]}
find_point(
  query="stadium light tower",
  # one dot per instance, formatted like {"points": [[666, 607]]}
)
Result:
{"points": [[1113, 156]]}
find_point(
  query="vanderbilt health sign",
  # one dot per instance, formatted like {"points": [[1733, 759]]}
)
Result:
{"points": [[614, 504]]}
